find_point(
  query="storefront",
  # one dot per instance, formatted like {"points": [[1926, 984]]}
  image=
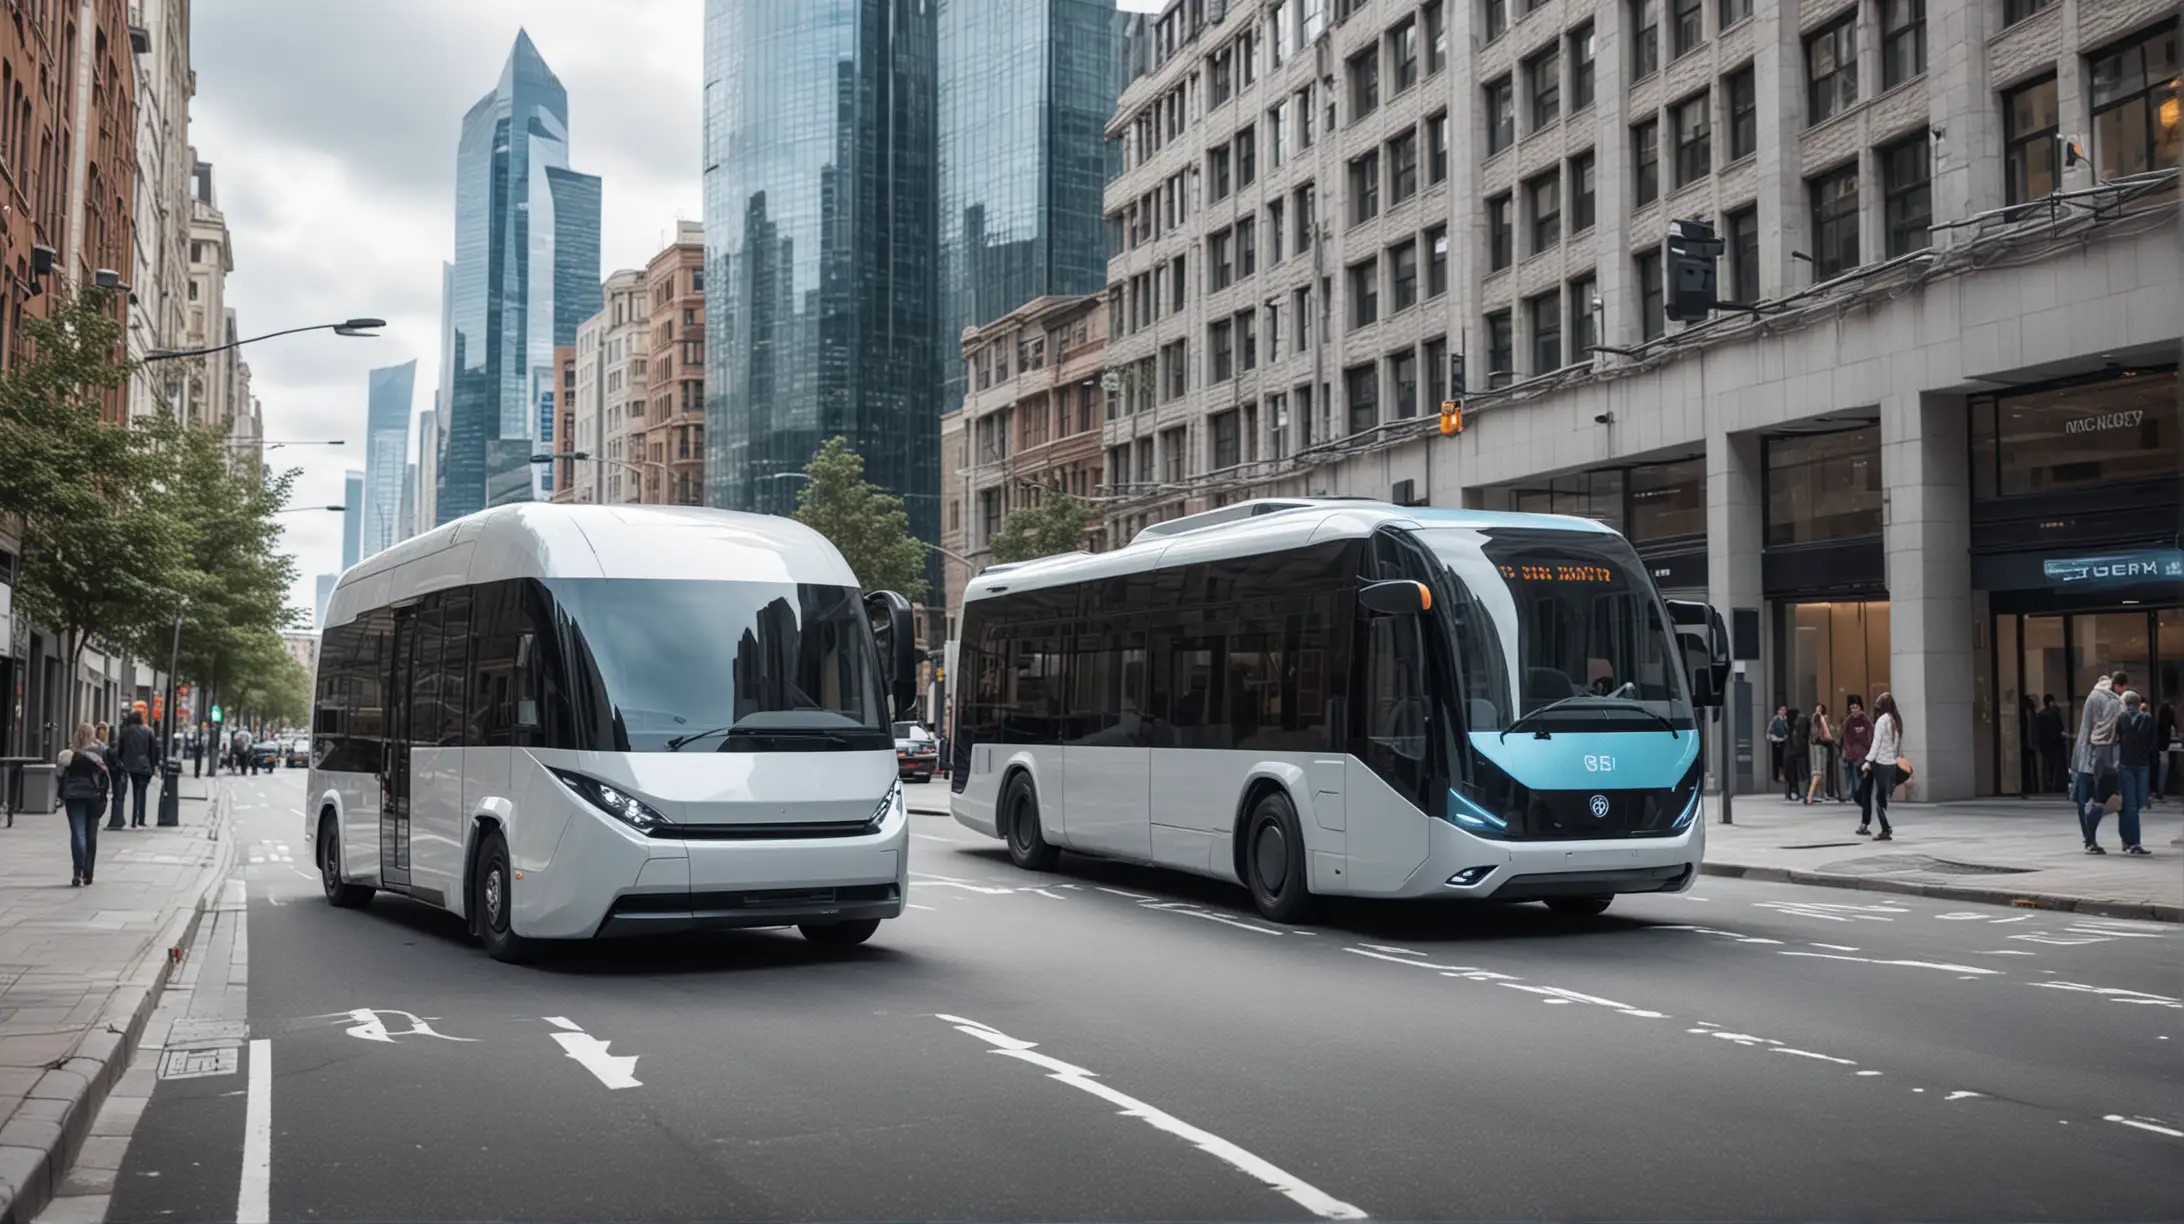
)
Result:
{"points": [[2076, 554], [1823, 569], [1659, 507]]}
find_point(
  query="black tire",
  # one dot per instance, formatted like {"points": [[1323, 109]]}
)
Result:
{"points": [[840, 934], [339, 893], [492, 892], [1028, 846], [1274, 861], [1580, 907]]}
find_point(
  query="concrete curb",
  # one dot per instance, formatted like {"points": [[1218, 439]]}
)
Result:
{"points": [[2149, 910], [41, 1141]]}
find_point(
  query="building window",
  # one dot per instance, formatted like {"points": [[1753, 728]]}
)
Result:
{"points": [[1217, 173], [1501, 349], [1274, 231], [1174, 443], [1645, 140], [2135, 121], [1546, 323], [1437, 148], [1742, 90], [1221, 268], [1543, 85], [1734, 11], [1908, 195], [1436, 368], [1174, 370], [1742, 241], [1645, 38], [1221, 76], [1831, 69], [1403, 54], [1497, 18], [1247, 247], [1501, 116], [1652, 312], [1667, 500], [1364, 187], [1403, 382], [1436, 38], [1903, 41], [2028, 141], [1835, 222], [1247, 156], [1364, 287], [1436, 261], [1307, 215], [1403, 167], [1823, 486], [1403, 274], [1689, 25], [1694, 127], [1360, 384], [1228, 442], [1498, 234], [1581, 192], [1543, 196], [1581, 67], [1277, 136], [2014, 11], [1584, 326], [1364, 83], [2119, 432]]}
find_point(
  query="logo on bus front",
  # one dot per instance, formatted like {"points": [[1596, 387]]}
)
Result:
{"points": [[1600, 764], [1599, 807]]}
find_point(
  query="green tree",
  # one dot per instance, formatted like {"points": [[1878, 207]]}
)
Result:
{"points": [[869, 527], [233, 573], [97, 545], [266, 685], [1053, 524]]}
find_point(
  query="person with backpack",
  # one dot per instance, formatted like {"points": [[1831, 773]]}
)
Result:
{"points": [[140, 754], [2093, 759], [84, 783]]}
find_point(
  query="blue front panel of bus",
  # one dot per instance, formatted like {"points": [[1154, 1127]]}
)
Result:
{"points": [[1601, 760], [1579, 785]]}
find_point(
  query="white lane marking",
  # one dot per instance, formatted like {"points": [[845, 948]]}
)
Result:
{"points": [[1809, 1054], [2144, 1125], [2005, 952], [1188, 910], [253, 1198], [2060, 941], [369, 1026], [1044, 893], [2110, 932], [1972, 970], [591, 1054], [1390, 948], [1557, 994], [1833, 911], [915, 905], [1288, 1185], [2117, 993], [1835, 947], [931, 837], [1961, 1095], [1118, 892], [2000, 921], [257, 858], [1470, 971], [967, 887]]}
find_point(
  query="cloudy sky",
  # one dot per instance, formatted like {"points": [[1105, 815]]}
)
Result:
{"points": [[331, 126]]}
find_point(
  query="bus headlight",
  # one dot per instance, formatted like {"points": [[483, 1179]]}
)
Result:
{"points": [[1690, 811], [890, 803], [628, 809], [1466, 814]]}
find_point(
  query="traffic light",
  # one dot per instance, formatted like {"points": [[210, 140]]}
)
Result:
{"points": [[1691, 251], [216, 714], [1452, 408]]}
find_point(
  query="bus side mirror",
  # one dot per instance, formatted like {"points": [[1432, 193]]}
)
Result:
{"points": [[889, 615], [1396, 597], [1704, 637]]}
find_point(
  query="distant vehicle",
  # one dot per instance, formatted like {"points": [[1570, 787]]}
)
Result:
{"points": [[1313, 697], [613, 720], [265, 753], [298, 751], [917, 753]]}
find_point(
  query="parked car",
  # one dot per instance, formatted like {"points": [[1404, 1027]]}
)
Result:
{"points": [[917, 753], [265, 753], [298, 752]]}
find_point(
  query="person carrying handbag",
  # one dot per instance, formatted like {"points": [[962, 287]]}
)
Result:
{"points": [[1880, 767], [84, 773]]}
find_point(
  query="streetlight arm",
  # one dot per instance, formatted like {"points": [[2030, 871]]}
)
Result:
{"points": [[348, 327]]}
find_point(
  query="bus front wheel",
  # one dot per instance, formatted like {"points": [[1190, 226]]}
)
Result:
{"points": [[339, 893], [1028, 847], [1274, 860], [493, 901], [1579, 907]]}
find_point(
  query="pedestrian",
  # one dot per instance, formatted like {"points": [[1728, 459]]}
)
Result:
{"points": [[116, 785], [197, 751], [84, 783], [2093, 757], [2049, 738], [1778, 734], [241, 742], [2135, 750], [1823, 753], [140, 755], [1880, 767], [1857, 742], [1797, 755]]}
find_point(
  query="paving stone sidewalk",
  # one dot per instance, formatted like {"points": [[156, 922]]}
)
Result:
{"points": [[81, 969], [1999, 851]]}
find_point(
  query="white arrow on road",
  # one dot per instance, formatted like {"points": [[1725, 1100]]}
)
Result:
{"points": [[612, 1070]]}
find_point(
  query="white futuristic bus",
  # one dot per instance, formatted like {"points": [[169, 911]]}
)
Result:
{"points": [[1337, 697], [562, 722]]}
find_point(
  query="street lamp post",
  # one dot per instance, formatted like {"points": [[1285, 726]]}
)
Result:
{"points": [[347, 327], [170, 771], [272, 446], [312, 509]]}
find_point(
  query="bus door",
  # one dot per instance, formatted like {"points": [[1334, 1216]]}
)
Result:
{"points": [[394, 754]]}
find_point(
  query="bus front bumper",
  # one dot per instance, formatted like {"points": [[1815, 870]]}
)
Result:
{"points": [[1459, 865]]}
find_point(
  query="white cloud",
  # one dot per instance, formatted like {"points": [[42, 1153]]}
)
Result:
{"points": [[331, 126]]}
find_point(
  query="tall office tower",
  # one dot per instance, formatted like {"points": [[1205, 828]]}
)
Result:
{"points": [[386, 453], [352, 519]]}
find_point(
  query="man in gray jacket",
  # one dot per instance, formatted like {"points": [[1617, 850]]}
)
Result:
{"points": [[140, 753], [2093, 758]]}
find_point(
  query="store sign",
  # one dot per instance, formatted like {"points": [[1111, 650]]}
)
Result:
{"points": [[2122, 569], [2105, 421]]}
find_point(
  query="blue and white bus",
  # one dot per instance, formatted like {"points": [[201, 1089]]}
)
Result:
{"points": [[1336, 697]]}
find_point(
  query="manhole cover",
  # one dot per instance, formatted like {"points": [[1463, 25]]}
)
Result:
{"points": [[197, 1064], [1824, 846], [1904, 864]]}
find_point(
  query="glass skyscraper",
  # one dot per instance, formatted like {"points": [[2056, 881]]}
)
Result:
{"points": [[352, 518], [386, 453], [820, 197], [1026, 89], [526, 270]]}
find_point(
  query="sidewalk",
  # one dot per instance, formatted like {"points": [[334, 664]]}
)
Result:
{"points": [[80, 969], [1999, 851]]}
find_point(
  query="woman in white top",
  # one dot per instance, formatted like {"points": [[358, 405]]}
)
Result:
{"points": [[1880, 763]]}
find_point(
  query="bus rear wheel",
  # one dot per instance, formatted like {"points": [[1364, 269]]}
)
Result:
{"points": [[1580, 907], [1274, 861], [493, 900], [840, 934], [1028, 847], [340, 894]]}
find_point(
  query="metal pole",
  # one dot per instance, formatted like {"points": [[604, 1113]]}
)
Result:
{"points": [[170, 771]]}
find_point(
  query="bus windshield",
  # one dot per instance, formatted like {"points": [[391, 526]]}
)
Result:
{"points": [[1545, 617], [664, 665]]}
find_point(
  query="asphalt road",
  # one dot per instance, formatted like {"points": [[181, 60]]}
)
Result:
{"points": [[1108, 1043]]}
